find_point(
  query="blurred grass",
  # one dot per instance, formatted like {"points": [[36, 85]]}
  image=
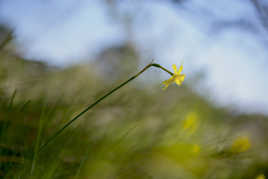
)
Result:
{"points": [[141, 132]]}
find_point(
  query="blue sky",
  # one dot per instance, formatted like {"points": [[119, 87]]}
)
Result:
{"points": [[204, 34]]}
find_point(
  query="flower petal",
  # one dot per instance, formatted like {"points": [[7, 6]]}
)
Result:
{"points": [[180, 69], [168, 82], [179, 79], [175, 69], [182, 77]]}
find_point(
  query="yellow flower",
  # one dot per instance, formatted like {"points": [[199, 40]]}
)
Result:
{"points": [[260, 176], [241, 144], [191, 123], [177, 77], [196, 149]]}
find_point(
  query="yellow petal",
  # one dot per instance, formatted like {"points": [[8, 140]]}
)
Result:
{"points": [[182, 77], [168, 82], [179, 79], [180, 69], [175, 69]]}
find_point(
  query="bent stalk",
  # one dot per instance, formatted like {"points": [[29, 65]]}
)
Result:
{"points": [[99, 100]]}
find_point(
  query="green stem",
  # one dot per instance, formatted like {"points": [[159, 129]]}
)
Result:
{"points": [[100, 99]]}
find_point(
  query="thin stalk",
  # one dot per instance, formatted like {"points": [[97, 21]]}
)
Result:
{"points": [[38, 139], [100, 99]]}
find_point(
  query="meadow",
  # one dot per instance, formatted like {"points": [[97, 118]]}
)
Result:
{"points": [[140, 131]]}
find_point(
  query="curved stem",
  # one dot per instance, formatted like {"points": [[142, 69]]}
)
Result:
{"points": [[100, 99]]}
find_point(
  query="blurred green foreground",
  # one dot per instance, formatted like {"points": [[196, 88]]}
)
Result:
{"points": [[139, 132]]}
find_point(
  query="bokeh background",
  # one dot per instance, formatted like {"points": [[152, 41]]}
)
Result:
{"points": [[57, 57]]}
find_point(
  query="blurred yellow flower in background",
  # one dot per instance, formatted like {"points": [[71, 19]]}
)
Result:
{"points": [[196, 149], [178, 78], [261, 176], [241, 144], [191, 123]]}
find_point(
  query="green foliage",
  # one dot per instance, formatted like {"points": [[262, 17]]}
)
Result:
{"points": [[139, 132]]}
